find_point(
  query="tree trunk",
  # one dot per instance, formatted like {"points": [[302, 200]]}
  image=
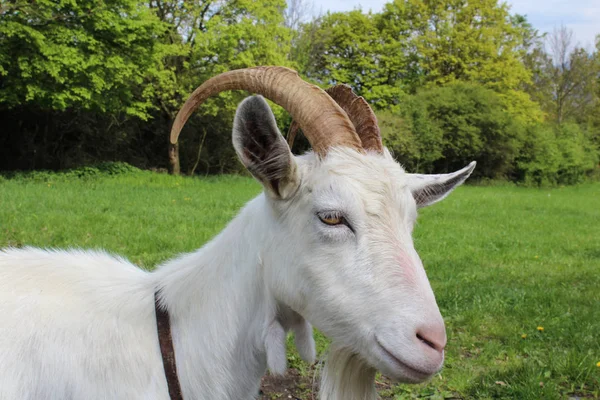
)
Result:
{"points": [[174, 166], [193, 170]]}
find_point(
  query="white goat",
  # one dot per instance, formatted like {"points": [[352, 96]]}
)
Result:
{"points": [[329, 241]]}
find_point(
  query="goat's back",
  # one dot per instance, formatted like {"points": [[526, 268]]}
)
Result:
{"points": [[76, 325]]}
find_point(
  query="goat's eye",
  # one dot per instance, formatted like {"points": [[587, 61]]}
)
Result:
{"points": [[331, 219]]}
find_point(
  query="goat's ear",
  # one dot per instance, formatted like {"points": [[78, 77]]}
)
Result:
{"points": [[263, 150], [429, 189]]}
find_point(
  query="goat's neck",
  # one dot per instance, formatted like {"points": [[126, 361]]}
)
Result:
{"points": [[220, 310]]}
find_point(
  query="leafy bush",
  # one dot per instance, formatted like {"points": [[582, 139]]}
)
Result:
{"points": [[100, 170], [475, 126], [552, 155], [414, 139], [79, 54], [444, 128]]}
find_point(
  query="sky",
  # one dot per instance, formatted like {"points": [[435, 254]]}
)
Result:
{"points": [[582, 16]]}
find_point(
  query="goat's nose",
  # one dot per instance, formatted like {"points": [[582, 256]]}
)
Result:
{"points": [[433, 336]]}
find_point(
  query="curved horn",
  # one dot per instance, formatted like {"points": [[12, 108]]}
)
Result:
{"points": [[359, 112], [323, 122]]}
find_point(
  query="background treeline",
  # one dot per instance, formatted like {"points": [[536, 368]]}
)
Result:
{"points": [[86, 81]]}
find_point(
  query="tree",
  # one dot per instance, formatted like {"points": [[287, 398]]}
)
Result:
{"points": [[443, 128], [213, 37], [414, 138], [297, 12], [565, 77], [556, 154], [347, 48], [94, 67], [92, 55], [573, 76], [457, 40], [71, 74], [416, 43]]}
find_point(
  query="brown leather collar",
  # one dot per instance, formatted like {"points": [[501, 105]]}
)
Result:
{"points": [[163, 327]]}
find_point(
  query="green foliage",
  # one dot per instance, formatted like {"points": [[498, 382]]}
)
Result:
{"points": [[120, 59], [451, 81], [412, 136], [450, 40], [105, 169], [215, 37], [556, 155], [416, 44], [349, 48], [565, 78], [526, 258], [475, 126], [413, 43], [242, 34], [444, 128], [92, 55]]}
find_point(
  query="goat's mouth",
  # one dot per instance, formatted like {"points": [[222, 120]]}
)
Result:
{"points": [[402, 371]]}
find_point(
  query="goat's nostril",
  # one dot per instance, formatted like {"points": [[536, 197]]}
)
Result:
{"points": [[433, 345], [427, 342]]}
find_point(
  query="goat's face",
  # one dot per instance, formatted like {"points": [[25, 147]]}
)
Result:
{"points": [[341, 252]]}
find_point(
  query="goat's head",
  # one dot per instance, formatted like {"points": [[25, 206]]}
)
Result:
{"points": [[341, 220]]}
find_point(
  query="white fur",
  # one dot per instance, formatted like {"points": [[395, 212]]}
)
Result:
{"points": [[81, 324], [347, 376]]}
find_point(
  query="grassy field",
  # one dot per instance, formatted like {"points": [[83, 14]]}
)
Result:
{"points": [[516, 271]]}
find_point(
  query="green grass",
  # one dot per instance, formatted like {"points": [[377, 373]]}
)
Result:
{"points": [[145, 216], [502, 261]]}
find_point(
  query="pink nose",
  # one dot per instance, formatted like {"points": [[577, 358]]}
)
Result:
{"points": [[433, 336]]}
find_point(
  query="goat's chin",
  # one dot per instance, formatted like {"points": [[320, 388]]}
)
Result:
{"points": [[397, 369], [350, 374]]}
